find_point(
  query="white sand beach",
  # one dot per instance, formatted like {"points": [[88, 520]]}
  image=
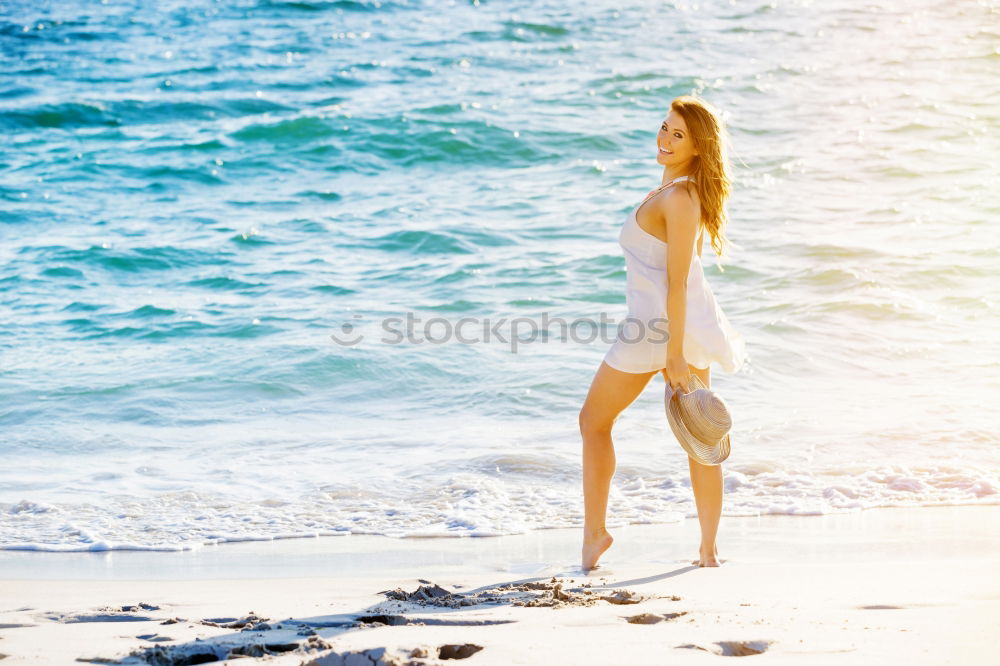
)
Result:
{"points": [[886, 586]]}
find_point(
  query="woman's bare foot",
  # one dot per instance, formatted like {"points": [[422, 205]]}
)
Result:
{"points": [[594, 545], [708, 559]]}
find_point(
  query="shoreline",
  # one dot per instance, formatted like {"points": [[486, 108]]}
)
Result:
{"points": [[339, 555], [884, 585], [336, 555]]}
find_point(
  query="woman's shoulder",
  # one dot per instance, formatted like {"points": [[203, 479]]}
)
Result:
{"points": [[688, 188]]}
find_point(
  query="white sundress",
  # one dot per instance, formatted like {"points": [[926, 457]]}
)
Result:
{"points": [[641, 345]]}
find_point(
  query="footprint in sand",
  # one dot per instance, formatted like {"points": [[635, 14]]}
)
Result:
{"points": [[463, 651], [383, 656], [880, 607], [653, 618], [733, 648]]}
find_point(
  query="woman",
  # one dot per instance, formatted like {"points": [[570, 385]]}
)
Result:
{"points": [[675, 327]]}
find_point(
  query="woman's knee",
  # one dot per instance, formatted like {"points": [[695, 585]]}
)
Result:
{"points": [[593, 423]]}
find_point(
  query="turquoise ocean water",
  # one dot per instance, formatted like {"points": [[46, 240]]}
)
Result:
{"points": [[194, 196]]}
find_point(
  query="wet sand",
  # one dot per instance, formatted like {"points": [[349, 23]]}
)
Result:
{"points": [[915, 586]]}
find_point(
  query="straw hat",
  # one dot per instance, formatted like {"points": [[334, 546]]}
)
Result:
{"points": [[701, 421]]}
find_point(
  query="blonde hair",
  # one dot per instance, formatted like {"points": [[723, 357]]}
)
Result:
{"points": [[709, 168]]}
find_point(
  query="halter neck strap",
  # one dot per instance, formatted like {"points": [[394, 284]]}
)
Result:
{"points": [[675, 180], [665, 185]]}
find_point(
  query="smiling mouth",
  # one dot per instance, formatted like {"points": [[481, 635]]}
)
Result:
{"points": [[666, 152]]}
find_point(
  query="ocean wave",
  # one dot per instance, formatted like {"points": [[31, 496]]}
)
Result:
{"points": [[421, 242], [124, 259], [67, 115], [504, 493]]}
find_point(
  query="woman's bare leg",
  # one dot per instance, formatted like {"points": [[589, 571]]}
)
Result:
{"points": [[610, 392], [706, 482]]}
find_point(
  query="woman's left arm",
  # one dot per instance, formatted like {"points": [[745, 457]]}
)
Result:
{"points": [[682, 218]]}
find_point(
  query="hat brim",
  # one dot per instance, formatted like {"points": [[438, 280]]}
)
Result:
{"points": [[706, 454]]}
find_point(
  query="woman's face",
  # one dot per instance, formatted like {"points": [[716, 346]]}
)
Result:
{"points": [[675, 147]]}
